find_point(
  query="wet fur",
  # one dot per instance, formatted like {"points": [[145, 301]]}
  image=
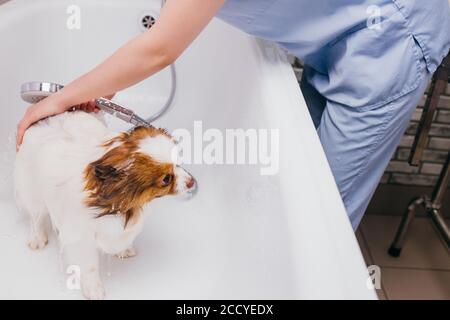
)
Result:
{"points": [[123, 180], [92, 183]]}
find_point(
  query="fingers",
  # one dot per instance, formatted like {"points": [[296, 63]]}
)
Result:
{"points": [[19, 135], [44, 109], [90, 106], [87, 106], [33, 114], [28, 119]]}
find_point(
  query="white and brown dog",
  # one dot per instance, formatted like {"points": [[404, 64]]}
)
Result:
{"points": [[93, 184]]}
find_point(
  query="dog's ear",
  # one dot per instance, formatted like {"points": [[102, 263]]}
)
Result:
{"points": [[103, 172], [99, 173], [112, 164]]}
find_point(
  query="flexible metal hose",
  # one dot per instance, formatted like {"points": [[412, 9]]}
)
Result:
{"points": [[166, 106], [169, 100]]}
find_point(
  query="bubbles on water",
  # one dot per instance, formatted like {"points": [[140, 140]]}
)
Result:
{"points": [[261, 192]]}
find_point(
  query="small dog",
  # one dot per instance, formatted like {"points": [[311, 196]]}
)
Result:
{"points": [[93, 184]]}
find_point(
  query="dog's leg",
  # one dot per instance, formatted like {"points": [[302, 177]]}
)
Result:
{"points": [[38, 238], [84, 255], [128, 253]]}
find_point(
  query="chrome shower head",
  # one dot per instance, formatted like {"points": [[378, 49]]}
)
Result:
{"points": [[35, 91]]}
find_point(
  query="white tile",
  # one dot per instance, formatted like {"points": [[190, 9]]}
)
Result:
{"points": [[423, 247], [414, 284]]}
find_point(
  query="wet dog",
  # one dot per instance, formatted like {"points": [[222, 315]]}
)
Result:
{"points": [[93, 184]]}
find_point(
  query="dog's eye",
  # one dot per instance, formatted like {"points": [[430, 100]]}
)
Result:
{"points": [[167, 180]]}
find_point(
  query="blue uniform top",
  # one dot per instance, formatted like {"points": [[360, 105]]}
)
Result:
{"points": [[360, 52]]}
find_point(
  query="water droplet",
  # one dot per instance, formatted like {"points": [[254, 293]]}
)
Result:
{"points": [[260, 192]]}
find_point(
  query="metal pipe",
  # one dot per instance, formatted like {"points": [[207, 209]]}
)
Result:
{"points": [[441, 225], [442, 184], [402, 230]]}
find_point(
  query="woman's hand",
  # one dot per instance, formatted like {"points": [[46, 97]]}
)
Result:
{"points": [[49, 107], [179, 23], [90, 106], [42, 109], [87, 107]]}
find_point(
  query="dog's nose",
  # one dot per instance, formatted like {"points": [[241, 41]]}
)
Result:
{"points": [[190, 183]]}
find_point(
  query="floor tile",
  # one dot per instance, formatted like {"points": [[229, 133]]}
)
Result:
{"points": [[381, 294], [368, 259], [423, 247], [414, 284]]}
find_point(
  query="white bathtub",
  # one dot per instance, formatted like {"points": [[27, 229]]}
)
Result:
{"points": [[244, 235]]}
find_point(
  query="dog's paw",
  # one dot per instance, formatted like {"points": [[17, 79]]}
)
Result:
{"points": [[37, 241], [93, 290], [128, 253]]}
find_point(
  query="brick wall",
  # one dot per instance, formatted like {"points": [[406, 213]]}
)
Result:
{"points": [[399, 171]]}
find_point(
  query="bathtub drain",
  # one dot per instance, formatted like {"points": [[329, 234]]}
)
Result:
{"points": [[147, 21]]}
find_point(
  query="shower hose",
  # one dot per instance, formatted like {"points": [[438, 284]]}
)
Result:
{"points": [[173, 87]]}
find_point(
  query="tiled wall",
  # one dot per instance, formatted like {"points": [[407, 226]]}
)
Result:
{"points": [[399, 171]]}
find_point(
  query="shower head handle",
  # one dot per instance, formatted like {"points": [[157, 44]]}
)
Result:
{"points": [[33, 92], [120, 112]]}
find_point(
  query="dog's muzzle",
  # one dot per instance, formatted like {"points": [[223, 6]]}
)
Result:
{"points": [[192, 186]]}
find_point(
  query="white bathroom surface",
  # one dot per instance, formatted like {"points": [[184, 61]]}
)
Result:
{"points": [[244, 235]]}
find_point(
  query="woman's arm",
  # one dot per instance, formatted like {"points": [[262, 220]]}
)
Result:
{"points": [[178, 25]]}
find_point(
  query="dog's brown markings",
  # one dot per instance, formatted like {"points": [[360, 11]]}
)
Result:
{"points": [[123, 180]]}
